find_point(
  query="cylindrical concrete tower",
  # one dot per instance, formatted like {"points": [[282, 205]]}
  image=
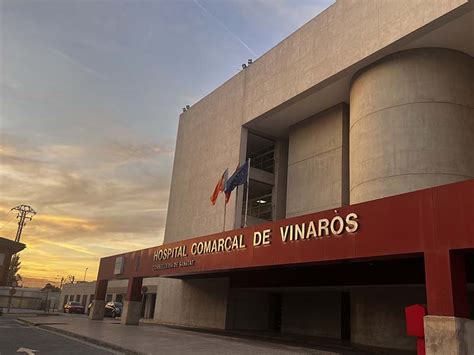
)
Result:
{"points": [[411, 123]]}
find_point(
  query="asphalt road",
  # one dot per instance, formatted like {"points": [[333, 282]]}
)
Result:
{"points": [[17, 339]]}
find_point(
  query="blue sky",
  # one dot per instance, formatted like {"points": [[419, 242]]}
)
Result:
{"points": [[90, 97]]}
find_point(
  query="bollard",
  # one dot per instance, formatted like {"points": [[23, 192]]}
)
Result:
{"points": [[414, 315]]}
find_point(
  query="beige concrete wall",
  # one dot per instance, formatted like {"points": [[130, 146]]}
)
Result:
{"points": [[411, 123], [378, 315], [249, 310], [200, 303], [317, 162], [208, 142], [449, 335], [312, 313], [342, 35]]}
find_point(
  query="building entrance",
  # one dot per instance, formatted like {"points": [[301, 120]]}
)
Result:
{"points": [[361, 302]]}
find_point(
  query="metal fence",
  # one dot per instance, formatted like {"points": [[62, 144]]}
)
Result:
{"points": [[23, 300]]}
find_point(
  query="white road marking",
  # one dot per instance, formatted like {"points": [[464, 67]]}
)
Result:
{"points": [[27, 351]]}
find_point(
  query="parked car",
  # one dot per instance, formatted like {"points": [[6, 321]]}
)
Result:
{"points": [[73, 307], [112, 309]]}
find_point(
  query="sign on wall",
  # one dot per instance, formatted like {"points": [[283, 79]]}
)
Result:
{"points": [[118, 269], [288, 234]]}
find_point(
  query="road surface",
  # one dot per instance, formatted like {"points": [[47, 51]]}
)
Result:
{"points": [[18, 339]]}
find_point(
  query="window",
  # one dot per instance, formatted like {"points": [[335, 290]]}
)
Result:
{"points": [[260, 200], [261, 152]]}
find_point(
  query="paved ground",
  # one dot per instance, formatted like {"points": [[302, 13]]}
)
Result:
{"points": [[17, 339], [155, 339]]}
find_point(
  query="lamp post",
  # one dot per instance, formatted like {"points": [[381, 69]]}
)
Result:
{"points": [[62, 280], [85, 273]]}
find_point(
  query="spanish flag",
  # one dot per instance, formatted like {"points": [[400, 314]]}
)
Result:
{"points": [[219, 187]]}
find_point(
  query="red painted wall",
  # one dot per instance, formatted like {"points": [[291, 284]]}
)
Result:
{"points": [[433, 221]]}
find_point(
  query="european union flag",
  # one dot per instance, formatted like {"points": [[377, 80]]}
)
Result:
{"points": [[239, 177]]}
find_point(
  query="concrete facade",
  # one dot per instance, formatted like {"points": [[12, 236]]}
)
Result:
{"points": [[378, 318], [318, 163], [417, 134], [312, 313], [249, 310], [449, 335], [200, 303]]}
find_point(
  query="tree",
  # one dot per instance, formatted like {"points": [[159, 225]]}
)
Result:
{"points": [[50, 287], [13, 276]]}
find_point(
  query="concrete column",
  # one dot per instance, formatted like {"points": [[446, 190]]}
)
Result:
{"points": [[447, 331], [411, 123], [449, 335], [132, 305], [281, 174], [131, 313], [98, 306], [97, 310], [446, 288]]}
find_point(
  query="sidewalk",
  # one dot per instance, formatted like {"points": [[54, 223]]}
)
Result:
{"points": [[156, 339], [26, 312]]}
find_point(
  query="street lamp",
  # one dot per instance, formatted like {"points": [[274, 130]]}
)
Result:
{"points": [[85, 273], [62, 280]]}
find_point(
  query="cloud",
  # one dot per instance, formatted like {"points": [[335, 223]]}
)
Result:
{"points": [[225, 27], [87, 69], [91, 200], [89, 99]]}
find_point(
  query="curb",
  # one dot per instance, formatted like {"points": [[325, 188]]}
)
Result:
{"points": [[81, 337]]}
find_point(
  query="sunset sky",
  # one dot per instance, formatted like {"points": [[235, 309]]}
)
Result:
{"points": [[90, 95]]}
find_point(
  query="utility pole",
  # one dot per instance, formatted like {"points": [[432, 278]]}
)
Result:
{"points": [[24, 212]]}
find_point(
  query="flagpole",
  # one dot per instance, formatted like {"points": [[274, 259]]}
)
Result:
{"points": [[247, 197], [225, 208]]}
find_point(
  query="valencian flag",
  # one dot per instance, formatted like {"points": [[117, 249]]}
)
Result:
{"points": [[219, 187], [239, 177]]}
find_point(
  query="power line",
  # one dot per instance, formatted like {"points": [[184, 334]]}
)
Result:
{"points": [[25, 212]]}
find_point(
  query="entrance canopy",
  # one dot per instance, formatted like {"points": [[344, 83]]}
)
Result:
{"points": [[424, 221], [435, 223]]}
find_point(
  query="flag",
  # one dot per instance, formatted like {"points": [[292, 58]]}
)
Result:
{"points": [[219, 187], [239, 177]]}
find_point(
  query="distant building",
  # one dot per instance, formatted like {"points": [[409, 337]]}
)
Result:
{"points": [[360, 132], [83, 292], [7, 249]]}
